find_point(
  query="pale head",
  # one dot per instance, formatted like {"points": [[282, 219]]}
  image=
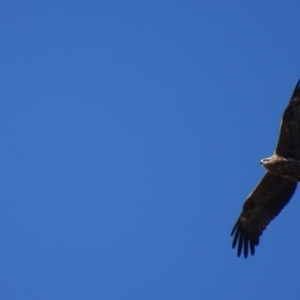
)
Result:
{"points": [[274, 163], [265, 161]]}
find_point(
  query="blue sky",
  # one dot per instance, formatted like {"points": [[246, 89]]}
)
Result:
{"points": [[131, 135]]}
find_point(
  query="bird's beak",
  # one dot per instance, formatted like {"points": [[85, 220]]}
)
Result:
{"points": [[261, 162]]}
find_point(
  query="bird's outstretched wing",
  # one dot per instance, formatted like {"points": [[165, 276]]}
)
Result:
{"points": [[289, 137], [261, 207]]}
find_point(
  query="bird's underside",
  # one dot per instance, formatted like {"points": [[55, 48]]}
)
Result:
{"points": [[276, 187]]}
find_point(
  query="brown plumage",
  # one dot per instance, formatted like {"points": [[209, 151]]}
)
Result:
{"points": [[278, 184]]}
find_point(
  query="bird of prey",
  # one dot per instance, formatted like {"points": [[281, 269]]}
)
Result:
{"points": [[278, 184]]}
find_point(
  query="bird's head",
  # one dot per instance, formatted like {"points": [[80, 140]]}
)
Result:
{"points": [[265, 161]]}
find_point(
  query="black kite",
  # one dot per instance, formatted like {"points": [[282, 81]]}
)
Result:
{"points": [[278, 184]]}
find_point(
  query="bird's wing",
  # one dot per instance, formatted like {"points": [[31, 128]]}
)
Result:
{"points": [[261, 207], [289, 137]]}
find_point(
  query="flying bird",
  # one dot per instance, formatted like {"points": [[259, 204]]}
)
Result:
{"points": [[278, 184]]}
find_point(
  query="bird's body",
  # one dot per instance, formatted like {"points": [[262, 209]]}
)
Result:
{"points": [[278, 184]]}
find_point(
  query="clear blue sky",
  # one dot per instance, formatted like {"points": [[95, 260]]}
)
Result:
{"points": [[131, 135]]}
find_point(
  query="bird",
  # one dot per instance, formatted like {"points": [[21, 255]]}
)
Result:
{"points": [[278, 184]]}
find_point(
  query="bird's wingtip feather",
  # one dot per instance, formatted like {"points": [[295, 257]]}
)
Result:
{"points": [[297, 88]]}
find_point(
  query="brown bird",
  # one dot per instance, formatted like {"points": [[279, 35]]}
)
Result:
{"points": [[278, 184]]}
